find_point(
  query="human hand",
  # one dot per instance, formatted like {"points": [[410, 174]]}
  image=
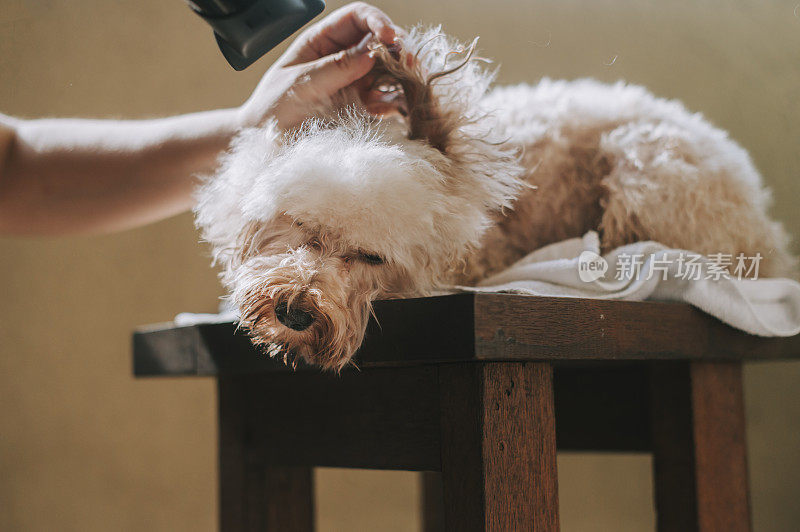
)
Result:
{"points": [[328, 56]]}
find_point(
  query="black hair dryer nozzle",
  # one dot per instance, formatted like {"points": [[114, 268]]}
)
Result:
{"points": [[247, 29]]}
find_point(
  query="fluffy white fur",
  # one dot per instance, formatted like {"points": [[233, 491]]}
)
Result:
{"points": [[457, 184]]}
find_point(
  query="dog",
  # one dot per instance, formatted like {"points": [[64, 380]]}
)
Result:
{"points": [[425, 176]]}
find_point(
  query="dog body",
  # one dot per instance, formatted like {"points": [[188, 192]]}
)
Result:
{"points": [[425, 178], [617, 160]]}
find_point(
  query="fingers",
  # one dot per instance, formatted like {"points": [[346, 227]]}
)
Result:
{"points": [[326, 58], [333, 72], [369, 19], [316, 81], [340, 30]]}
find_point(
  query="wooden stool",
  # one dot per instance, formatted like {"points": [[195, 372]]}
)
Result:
{"points": [[483, 388]]}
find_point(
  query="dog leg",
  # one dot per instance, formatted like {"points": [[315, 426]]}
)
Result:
{"points": [[661, 188]]}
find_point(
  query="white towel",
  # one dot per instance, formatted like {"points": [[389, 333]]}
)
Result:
{"points": [[649, 270]]}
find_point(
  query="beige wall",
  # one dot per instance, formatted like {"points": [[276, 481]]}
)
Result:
{"points": [[85, 447]]}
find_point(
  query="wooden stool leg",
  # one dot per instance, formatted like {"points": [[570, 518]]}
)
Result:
{"points": [[255, 496], [432, 502], [699, 452], [499, 447]]}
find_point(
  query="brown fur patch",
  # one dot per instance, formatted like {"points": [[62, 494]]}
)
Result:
{"points": [[427, 119]]}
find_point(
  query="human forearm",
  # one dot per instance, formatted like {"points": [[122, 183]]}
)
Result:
{"points": [[82, 176]]}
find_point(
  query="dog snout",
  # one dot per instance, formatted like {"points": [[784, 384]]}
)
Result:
{"points": [[294, 318]]}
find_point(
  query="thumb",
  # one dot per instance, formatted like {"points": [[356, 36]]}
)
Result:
{"points": [[333, 72]]}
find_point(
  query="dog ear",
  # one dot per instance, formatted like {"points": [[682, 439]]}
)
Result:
{"points": [[400, 83]]}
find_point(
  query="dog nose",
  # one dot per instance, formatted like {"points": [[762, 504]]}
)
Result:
{"points": [[294, 318]]}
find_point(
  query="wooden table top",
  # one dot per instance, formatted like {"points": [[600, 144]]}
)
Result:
{"points": [[480, 327]]}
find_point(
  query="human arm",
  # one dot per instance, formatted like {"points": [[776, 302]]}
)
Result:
{"points": [[86, 176]]}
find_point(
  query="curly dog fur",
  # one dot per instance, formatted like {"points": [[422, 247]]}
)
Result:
{"points": [[424, 176]]}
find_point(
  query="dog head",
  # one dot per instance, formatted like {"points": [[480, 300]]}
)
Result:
{"points": [[380, 196]]}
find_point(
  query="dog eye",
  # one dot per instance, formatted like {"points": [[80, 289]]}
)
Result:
{"points": [[370, 258]]}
